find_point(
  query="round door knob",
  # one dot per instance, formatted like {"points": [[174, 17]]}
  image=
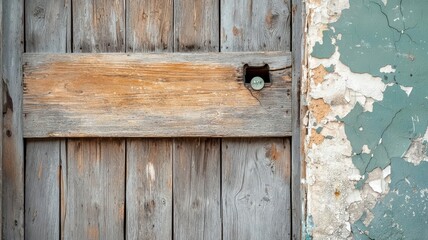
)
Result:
{"points": [[257, 83]]}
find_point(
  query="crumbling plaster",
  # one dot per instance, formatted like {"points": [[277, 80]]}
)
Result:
{"points": [[366, 91]]}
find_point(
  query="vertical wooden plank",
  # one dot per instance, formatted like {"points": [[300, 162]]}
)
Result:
{"points": [[149, 189], [196, 194], [256, 189], [95, 174], [196, 162], [1, 118], [13, 145], [42, 189], [98, 25], [47, 26], [47, 30], [95, 189], [262, 25], [149, 26], [297, 170], [196, 25]]}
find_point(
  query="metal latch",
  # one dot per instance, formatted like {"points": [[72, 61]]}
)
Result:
{"points": [[257, 77]]}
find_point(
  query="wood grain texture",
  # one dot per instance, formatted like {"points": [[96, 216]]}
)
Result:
{"points": [[1, 118], [47, 30], [149, 26], [297, 190], [196, 194], [141, 95], [98, 26], [256, 189], [13, 145], [47, 25], [95, 200], [249, 25], [196, 25], [42, 208], [149, 189]]}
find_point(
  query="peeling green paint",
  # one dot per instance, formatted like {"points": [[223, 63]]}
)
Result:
{"points": [[327, 48], [374, 35], [402, 214]]}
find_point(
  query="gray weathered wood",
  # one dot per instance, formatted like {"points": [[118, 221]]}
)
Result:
{"points": [[153, 97], [63, 185], [98, 26], [196, 191], [149, 26], [47, 26], [196, 25], [13, 145], [47, 30], [1, 118], [95, 200], [42, 204], [262, 25], [297, 191], [95, 181], [256, 189], [149, 189]]}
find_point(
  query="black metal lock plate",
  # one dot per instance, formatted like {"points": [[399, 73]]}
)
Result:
{"points": [[251, 72]]}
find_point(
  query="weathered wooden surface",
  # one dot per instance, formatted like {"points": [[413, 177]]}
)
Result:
{"points": [[256, 189], [149, 189], [249, 25], [149, 26], [47, 30], [98, 26], [1, 118], [95, 200], [42, 204], [47, 26], [196, 26], [13, 145], [95, 175], [196, 180], [297, 191], [144, 96]]}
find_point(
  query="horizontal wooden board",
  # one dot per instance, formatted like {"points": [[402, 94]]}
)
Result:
{"points": [[154, 95]]}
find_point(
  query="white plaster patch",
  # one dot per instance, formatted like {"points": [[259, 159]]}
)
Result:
{"points": [[417, 152], [354, 196], [376, 185], [387, 69], [385, 2], [366, 149], [407, 90]]}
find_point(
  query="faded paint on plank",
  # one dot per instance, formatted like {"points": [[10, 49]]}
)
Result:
{"points": [[256, 189], [196, 26], [154, 98], [42, 189], [149, 26], [98, 26], [196, 178], [13, 145], [149, 189], [95, 201], [248, 25]]}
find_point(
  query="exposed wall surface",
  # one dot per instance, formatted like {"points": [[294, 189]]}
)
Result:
{"points": [[367, 97]]}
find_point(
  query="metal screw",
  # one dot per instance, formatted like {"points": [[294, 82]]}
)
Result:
{"points": [[257, 83]]}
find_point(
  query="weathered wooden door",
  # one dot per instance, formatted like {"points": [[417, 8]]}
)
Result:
{"points": [[207, 177]]}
